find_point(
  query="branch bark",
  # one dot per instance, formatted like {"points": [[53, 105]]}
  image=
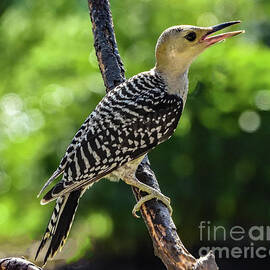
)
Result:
{"points": [[14, 263], [167, 244]]}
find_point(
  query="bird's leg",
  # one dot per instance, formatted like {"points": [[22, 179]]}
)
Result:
{"points": [[152, 193]]}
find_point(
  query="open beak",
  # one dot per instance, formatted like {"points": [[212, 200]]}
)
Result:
{"points": [[209, 40]]}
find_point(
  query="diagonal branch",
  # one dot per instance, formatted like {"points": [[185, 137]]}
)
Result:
{"points": [[167, 244]]}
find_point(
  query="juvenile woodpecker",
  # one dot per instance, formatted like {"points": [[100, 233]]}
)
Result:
{"points": [[128, 122]]}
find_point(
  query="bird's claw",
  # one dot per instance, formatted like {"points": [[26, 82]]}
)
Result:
{"points": [[157, 195], [134, 212]]}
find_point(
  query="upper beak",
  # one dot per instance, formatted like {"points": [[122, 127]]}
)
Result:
{"points": [[209, 40]]}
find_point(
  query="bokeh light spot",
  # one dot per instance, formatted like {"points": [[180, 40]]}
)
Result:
{"points": [[101, 225], [11, 104], [56, 97], [262, 100], [17, 127], [36, 119], [249, 121]]}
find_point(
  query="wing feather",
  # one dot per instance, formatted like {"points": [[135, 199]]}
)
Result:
{"points": [[122, 128]]}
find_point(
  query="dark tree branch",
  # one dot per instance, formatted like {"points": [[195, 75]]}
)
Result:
{"points": [[110, 64], [14, 263], [167, 244]]}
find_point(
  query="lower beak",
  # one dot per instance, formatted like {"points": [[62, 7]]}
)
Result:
{"points": [[209, 40]]}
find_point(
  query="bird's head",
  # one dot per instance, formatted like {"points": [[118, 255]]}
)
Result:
{"points": [[179, 45]]}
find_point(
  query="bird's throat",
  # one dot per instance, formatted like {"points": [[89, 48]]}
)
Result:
{"points": [[177, 82]]}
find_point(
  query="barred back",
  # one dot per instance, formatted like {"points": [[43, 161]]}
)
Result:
{"points": [[128, 122]]}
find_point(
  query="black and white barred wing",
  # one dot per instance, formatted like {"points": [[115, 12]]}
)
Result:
{"points": [[126, 124]]}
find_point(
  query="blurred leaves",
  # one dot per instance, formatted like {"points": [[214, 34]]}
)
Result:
{"points": [[216, 166]]}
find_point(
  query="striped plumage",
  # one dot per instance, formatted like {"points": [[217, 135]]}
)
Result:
{"points": [[128, 122]]}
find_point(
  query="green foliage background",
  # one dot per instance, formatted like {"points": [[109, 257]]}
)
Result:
{"points": [[216, 166]]}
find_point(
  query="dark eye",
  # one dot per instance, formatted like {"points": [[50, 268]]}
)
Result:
{"points": [[191, 36]]}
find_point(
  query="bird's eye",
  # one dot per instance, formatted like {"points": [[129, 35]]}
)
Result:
{"points": [[191, 36]]}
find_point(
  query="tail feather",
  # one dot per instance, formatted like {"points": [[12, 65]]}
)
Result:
{"points": [[60, 223], [52, 222]]}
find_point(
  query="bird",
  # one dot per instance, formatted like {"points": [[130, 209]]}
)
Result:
{"points": [[130, 120]]}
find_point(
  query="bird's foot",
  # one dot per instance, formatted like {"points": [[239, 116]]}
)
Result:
{"points": [[153, 195]]}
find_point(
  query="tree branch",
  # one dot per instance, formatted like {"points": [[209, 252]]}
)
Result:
{"points": [[167, 244], [13, 263]]}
